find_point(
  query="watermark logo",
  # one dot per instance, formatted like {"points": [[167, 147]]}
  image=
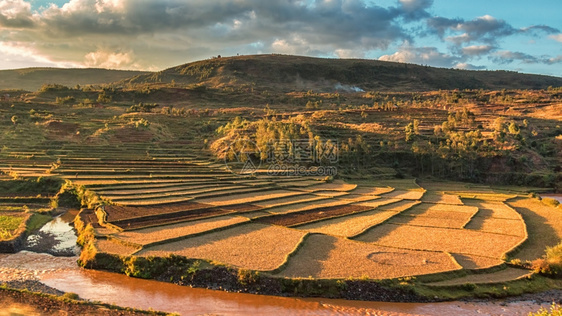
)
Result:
{"points": [[300, 157], [243, 157]]}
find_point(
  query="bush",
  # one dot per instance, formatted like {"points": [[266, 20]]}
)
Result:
{"points": [[551, 264], [550, 202], [555, 310], [68, 196]]}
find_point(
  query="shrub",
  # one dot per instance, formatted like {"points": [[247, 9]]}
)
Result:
{"points": [[555, 310], [550, 202], [551, 264]]}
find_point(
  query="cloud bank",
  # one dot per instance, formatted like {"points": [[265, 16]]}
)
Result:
{"points": [[146, 34]]}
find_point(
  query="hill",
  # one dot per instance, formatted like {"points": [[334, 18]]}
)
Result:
{"points": [[290, 73], [31, 79]]}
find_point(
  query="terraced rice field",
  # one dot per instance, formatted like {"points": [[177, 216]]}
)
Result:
{"points": [[323, 256], [301, 226], [252, 246], [166, 232], [505, 275], [441, 239], [404, 195], [296, 218], [350, 225], [544, 224]]}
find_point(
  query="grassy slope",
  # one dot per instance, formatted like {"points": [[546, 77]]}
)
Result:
{"points": [[31, 79], [282, 72]]}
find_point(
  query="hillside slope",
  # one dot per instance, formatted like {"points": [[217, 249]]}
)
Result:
{"points": [[290, 73], [31, 79]]}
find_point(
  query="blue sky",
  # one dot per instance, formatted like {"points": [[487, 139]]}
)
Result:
{"points": [[524, 36]]}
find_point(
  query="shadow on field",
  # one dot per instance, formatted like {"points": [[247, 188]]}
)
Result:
{"points": [[541, 234]]}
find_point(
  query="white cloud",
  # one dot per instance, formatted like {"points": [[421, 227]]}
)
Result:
{"points": [[556, 37], [111, 60], [422, 55]]}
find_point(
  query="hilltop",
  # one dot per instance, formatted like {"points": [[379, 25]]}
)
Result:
{"points": [[31, 79], [297, 73]]}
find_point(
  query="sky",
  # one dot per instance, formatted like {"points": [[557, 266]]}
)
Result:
{"points": [[516, 35]]}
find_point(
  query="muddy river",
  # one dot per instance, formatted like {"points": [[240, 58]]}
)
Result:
{"points": [[61, 272]]}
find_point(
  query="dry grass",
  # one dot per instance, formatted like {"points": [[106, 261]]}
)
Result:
{"points": [[493, 209], [399, 206], [508, 274], [251, 246], [155, 201], [399, 184], [297, 183], [248, 197], [351, 225], [148, 195], [493, 197], [298, 207], [290, 200], [330, 193], [544, 225], [443, 211], [324, 256], [337, 185], [163, 189], [113, 247], [153, 234], [404, 195], [359, 197], [451, 186], [372, 190], [441, 198], [429, 221], [379, 202], [475, 262], [514, 227], [441, 239]]}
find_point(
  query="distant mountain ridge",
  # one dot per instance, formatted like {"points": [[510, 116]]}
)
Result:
{"points": [[285, 73], [290, 73], [31, 79]]}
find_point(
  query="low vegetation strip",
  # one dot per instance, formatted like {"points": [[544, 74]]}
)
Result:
{"points": [[295, 218], [441, 239], [323, 256], [251, 246], [350, 225], [506, 275], [161, 233]]}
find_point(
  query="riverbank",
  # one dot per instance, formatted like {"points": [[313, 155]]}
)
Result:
{"points": [[23, 302]]}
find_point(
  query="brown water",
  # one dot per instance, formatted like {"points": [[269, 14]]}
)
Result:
{"points": [[63, 274], [130, 292]]}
